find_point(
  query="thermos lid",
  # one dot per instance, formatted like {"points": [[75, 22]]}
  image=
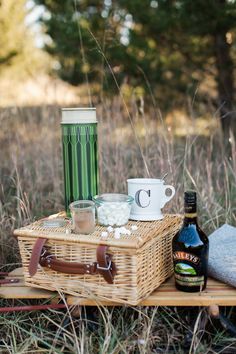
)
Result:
{"points": [[78, 115]]}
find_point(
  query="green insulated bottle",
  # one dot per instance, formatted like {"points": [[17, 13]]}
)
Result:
{"points": [[80, 154]]}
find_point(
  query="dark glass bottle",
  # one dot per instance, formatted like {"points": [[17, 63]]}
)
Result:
{"points": [[190, 250]]}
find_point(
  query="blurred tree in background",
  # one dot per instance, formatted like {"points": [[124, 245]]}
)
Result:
{"points": [[186, 43], [170, 46], [13, 30], [18, 55], [71, 26]]}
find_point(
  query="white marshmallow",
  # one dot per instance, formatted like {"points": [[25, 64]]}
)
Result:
{"points": [[123, 229], [104, 234], [134, 227], [113, 213], [117, 235]]}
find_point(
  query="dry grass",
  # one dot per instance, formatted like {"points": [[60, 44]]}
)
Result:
{"points": [[31, 186]]}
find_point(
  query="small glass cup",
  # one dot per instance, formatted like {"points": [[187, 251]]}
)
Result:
{"points": [[83, 216]]}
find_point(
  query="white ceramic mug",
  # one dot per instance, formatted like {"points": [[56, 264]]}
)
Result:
{"points": [[149, 198]]}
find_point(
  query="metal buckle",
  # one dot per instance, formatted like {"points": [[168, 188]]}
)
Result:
{"points": [[49, 257], [105, 268], [43, 253]]}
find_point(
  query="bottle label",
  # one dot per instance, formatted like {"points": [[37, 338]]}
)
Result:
{"points": [[186, 273], [186, 257], [189, 281]]}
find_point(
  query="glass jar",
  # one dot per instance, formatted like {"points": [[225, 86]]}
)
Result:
{"points": [[113, 209], [83, 216]]}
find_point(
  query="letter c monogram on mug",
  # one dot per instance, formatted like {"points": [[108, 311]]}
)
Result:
{"points": [[149, 198], [139, 200]]}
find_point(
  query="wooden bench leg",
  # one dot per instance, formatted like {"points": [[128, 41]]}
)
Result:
{"points": [[198, 320], [88, 315], [76, 311], [214, 312]]}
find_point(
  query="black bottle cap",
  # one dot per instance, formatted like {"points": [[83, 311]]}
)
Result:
{"points": [[190, 201], [190, 197]]}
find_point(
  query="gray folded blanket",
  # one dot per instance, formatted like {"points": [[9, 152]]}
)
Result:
{"points": [[222, 254]]}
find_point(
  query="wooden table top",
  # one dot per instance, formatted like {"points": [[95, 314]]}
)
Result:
{"points": [[216, 293]]}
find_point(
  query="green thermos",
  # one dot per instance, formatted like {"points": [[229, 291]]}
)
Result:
{"points": [[80, 154]]}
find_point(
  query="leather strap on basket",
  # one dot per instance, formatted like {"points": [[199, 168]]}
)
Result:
{"points": [[41, 255], [35, 256], [104, 264]]}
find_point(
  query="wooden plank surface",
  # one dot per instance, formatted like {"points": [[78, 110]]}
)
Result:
{"points": [[20, 291], [216, 293], [166, 295]]}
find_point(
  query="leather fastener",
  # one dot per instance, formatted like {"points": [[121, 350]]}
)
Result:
{"points": [[46, 258], [103, 266]]}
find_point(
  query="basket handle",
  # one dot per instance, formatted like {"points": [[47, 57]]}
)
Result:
{"points": [[103, 265]]}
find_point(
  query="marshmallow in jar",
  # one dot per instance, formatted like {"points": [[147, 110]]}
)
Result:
{"points": [[113, 209]]}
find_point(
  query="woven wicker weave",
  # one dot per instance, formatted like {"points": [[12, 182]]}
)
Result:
{"points": [[143, 259]]}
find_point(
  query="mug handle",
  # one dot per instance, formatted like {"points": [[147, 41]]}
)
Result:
{"points": [[166, 198]]}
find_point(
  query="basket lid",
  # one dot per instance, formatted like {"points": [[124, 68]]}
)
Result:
{"points": [[144, 232]]}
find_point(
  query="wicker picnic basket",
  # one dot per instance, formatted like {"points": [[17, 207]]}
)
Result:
{"points": [[139, 262]]}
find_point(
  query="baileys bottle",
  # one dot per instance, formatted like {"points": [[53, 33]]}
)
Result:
{"points": [[190, 250]]}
